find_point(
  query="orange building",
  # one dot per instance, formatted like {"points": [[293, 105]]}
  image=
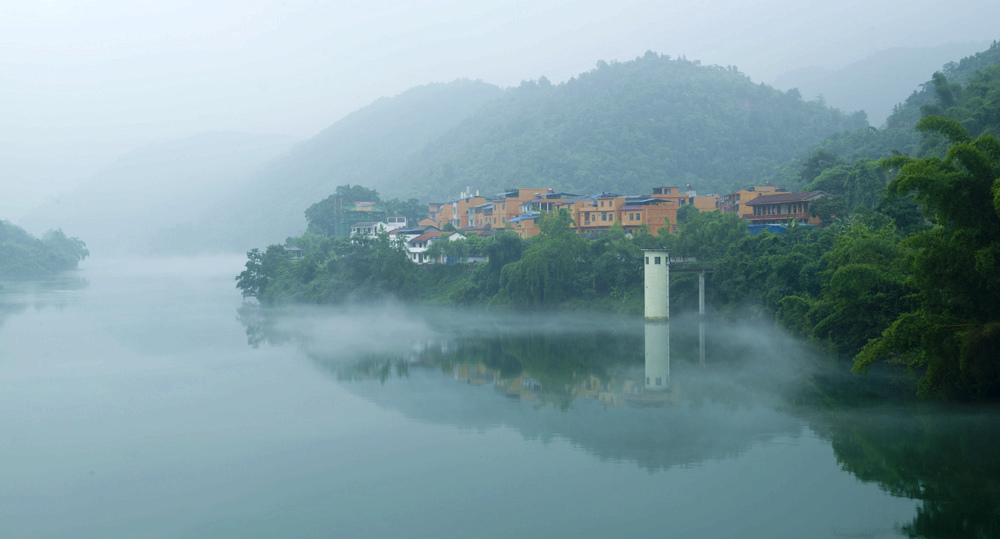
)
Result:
{"points": [[598, 213], [461, 214], [481, 216], [519, 209], [525, 226], [654, 213], [507, 205], [705, 203], [736, 202], [781, 208]]}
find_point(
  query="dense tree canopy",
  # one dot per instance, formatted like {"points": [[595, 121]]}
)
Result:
{"points": [[954, 267], [23, 255]]}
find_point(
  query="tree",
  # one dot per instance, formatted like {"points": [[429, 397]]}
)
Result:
{"points": [[828, 208], [261, 268], [321, 217], [548, 271], [820, 161], [864, 289], [411, 208], [708, 235], [954, 333], [684, 213]]}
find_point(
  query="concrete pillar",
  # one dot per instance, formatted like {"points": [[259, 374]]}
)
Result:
{"points": [[657, 356], [701, 292], [657, 284]]}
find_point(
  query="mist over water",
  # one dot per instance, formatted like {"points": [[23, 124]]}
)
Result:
{"points": [[145, 398]]}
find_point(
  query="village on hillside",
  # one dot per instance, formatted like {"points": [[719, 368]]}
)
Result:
{"points": [[518, 210]]}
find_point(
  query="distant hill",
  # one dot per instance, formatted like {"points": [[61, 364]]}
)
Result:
{"points": [[372, 147], [121, 208], [877, 83]]}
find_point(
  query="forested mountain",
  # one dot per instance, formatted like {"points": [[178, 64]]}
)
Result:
{"points": [[876, 83], [371, 146], [154, 187], [962, 91], [906, 114], [625, 127]]}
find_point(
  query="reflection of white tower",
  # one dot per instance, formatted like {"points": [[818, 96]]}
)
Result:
{"points": [[657, 276], [657, 356]]}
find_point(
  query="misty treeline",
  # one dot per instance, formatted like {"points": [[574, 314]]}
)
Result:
{"points": [[23, 255], [906, 269]]}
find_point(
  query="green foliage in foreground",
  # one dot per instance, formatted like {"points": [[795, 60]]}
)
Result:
{"points": [[954, 268], [23, 255]]}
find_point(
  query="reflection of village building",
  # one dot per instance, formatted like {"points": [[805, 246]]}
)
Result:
{"points": [[623, 386], [624, 390]]}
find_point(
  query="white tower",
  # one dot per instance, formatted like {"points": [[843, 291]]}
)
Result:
{"points": [[657, 276]]}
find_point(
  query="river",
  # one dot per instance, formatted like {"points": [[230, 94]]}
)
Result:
{"points": [[144, 398]]}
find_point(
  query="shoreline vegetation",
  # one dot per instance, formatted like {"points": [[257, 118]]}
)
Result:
{"points": [[25, 256], [905, 272]]}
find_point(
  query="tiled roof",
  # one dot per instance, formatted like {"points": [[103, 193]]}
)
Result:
{"points": [[520, 218], [785, 197], [432, 235]]}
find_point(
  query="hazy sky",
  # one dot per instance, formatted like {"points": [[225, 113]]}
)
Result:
{"points": [[82, 82]]}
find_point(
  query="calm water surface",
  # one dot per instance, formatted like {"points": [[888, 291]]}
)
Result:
{"points": [[144, 399]]}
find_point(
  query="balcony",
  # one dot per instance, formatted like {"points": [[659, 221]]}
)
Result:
{"points": [[801, 216]]}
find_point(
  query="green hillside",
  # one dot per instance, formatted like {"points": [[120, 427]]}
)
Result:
{"points": [[626, 127], [963, 91], [906, 114]]}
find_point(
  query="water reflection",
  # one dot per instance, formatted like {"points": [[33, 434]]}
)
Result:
{"points": [[52, 292], [613, 390], [657, 355], [608, 386], [944, 457]]}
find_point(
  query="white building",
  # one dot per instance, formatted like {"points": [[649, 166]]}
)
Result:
{"points": [[418, 245], [369, 229]]}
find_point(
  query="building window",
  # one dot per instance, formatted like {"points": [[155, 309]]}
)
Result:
{"points": [[658, 381], [647, 260], [656, 260]]}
